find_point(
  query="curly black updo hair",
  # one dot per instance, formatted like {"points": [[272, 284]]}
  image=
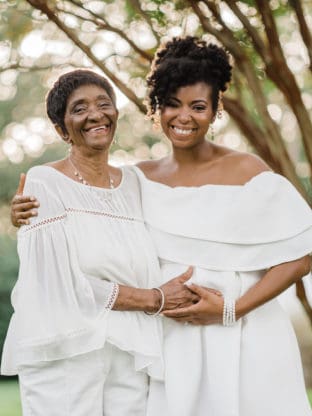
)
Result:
{"points": [[186, 61], [57, 97]]}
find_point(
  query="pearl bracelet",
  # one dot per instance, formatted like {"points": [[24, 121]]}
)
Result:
{"points": [[162, 302], [229, 316]]}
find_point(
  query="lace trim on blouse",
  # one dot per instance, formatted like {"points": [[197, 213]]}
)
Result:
{"points": [[51, 220], [44, 222], [112, 297], [103, 213]]}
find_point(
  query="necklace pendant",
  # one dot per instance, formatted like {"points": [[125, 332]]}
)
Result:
{"points": [[83, 181]]}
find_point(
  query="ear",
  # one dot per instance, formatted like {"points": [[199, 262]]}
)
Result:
{"points": [[63, 134]]}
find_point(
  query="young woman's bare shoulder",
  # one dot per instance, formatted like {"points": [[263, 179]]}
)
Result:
{"points": [[245, 166]]}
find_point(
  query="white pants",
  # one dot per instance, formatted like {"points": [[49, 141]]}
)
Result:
{"points": [[99, 383]]}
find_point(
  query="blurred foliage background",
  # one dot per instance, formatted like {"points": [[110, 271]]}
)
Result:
{"points": [[267, 109]]}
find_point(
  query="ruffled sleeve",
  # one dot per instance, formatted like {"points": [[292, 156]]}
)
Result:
{"points": [[58, 310], [230, 228]]}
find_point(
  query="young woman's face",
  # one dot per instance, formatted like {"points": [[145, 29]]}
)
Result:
{"points": [[187, 114], [90, 117]]}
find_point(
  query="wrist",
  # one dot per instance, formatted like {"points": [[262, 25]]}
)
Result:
{"points": [[240, 309], [153, 301], [162, 302]]}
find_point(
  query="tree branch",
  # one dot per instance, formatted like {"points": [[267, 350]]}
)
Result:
{"points": [[304, 29], [276, 69], [280, 73], [42, 6], [301, 295], [255, 135], [34, 68], [79, 5], [251, 31], [103, 24], [137, 6]]}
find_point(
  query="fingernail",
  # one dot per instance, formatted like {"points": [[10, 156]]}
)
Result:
{"points": [[32, 198], [36, 204], [34, 213]]}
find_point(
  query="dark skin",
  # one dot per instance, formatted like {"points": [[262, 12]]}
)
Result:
{"points": [[194, 161]]}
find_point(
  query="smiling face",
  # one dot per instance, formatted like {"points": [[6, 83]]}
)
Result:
{"points": [[186, 115], [90, 118]]}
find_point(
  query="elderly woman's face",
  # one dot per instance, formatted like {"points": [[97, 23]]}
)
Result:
{"points": [[90, 117]]}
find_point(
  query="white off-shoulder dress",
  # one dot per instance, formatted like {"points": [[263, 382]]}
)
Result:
{"points": [[231, 235], [84, 241]]}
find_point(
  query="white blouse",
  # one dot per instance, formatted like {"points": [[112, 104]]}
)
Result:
{"points": [[83, 242]]}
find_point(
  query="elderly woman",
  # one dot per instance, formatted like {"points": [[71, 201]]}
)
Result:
{"points": [[78, 337]]}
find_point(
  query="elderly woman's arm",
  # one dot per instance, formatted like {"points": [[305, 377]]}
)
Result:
{"points": [[176, 295]]}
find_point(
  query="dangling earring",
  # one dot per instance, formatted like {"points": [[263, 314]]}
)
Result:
{"points": [[115, 141], [211, 130], [156, 116], [218, 115], [220, 105], [70, 147]]}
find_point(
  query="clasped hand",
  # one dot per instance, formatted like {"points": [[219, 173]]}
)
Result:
{"points": [[193, 304]]}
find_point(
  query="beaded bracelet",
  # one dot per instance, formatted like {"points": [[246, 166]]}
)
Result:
{"points": [[162, 302], [229, 315]]}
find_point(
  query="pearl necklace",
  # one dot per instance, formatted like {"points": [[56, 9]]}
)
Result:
{"points": [[82, 180]]}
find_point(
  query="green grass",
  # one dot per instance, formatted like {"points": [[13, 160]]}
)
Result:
{"points": [[10, 400]]}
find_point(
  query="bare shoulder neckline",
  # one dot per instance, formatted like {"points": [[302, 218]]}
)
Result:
{"points": [[207, 185]]}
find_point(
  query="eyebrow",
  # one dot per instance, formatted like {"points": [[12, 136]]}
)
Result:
{"points": [[201, 100]]}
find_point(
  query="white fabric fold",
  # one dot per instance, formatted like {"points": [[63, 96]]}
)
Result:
{"points": [[223, 256], [250, 227]]}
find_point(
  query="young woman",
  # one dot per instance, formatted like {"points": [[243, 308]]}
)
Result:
{"points": [[247, 232]]}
